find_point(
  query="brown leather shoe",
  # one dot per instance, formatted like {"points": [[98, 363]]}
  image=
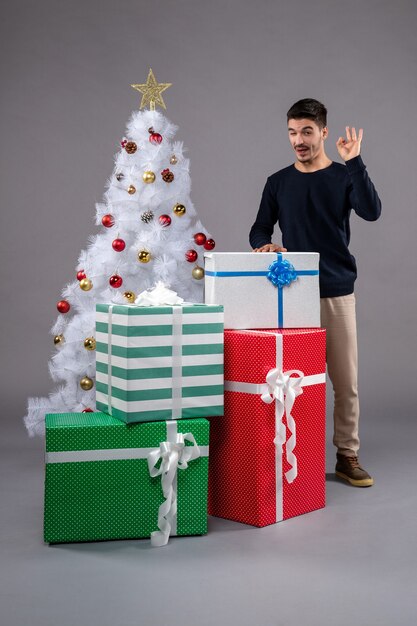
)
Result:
{"points": [[348, 468]]}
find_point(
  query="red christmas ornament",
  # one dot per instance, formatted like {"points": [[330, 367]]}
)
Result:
{"points": [[200, 239], [164, 220], [118, 245], [155, 138], [63, 306], [81, 274], [107, 220], [115, 281], [88, 410], [209, 245], [191, 256], [123, 143]]}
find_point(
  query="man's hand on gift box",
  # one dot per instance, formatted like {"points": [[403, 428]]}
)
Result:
{"points": [[270, 247]]}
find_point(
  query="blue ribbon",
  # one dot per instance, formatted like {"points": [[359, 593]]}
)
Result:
{"points": [[281, 273]]}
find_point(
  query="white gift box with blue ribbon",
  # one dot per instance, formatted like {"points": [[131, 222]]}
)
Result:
{"points": [[264, 289]]}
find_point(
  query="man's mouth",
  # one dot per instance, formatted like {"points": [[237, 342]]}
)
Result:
{"points": [[301, 150]]}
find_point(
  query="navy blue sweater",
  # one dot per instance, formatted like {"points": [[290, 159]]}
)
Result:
{"points": [[313, 210]]}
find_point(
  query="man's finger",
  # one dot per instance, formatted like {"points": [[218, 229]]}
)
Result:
{"points": [[348, 137], [360, 134], [354, 137]]}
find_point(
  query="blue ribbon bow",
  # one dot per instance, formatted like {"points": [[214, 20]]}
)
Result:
{"points": [[281, 273]]}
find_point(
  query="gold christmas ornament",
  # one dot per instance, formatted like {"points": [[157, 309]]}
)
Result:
{"points": [[179, 209], [148, 177], [58, 339], [86, 383], [173, 160], [131, 189], [198, 272], [144, 256], [86, 284], [89, 343], [152, 92], [130, 296]]}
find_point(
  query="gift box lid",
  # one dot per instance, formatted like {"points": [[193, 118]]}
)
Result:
{"points": [[136, 310], [99, 431], [250, 354], [236, 261]]}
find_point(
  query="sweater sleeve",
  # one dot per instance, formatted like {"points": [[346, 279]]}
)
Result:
{"points": [[363, 196], [263, 227]]}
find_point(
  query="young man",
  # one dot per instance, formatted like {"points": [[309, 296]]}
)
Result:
{"points": [[311, 200]]}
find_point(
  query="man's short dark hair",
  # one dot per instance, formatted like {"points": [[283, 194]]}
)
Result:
{"points": [[309, 109]]}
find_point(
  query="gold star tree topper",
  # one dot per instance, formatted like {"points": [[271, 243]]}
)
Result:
{"points": [[152, 92]]}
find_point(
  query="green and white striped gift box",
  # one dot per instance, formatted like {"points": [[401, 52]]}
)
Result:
{"points": [[159, 362]]}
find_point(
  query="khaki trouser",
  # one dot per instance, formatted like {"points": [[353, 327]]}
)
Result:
{"points": [[338, 317]]}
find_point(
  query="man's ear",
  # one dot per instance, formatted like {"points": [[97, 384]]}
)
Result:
{"points": [[325, 131]]}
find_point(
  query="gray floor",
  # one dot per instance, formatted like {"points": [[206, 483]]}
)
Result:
{"points": [[351, 563]]}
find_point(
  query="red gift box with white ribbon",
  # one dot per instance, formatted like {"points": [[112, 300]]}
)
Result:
{"points": [[267, 456]]}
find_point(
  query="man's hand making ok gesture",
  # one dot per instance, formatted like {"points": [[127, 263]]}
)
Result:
{"points": [[351, 146]]}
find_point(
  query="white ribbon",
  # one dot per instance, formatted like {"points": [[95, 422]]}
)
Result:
{"points": [[174, 455], [284, 390], [176, 406], [109, 359]]}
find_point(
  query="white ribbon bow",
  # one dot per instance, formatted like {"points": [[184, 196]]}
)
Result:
{"points": [[173, 455], [159, 295], [284, 390]]}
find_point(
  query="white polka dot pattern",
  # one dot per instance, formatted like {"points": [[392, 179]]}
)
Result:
{"points": [[242, 485], [116, 499]]}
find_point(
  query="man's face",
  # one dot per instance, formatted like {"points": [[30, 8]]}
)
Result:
{"points": [[307, 139]]}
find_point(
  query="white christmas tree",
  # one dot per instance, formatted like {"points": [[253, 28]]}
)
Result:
{"points": [[149, 233]]}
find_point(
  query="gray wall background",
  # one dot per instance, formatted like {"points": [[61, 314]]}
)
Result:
{"points": [[236, 67]]}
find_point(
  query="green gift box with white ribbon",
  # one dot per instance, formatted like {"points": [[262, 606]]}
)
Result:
{"points": [[159, 362], [108, 480]]}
